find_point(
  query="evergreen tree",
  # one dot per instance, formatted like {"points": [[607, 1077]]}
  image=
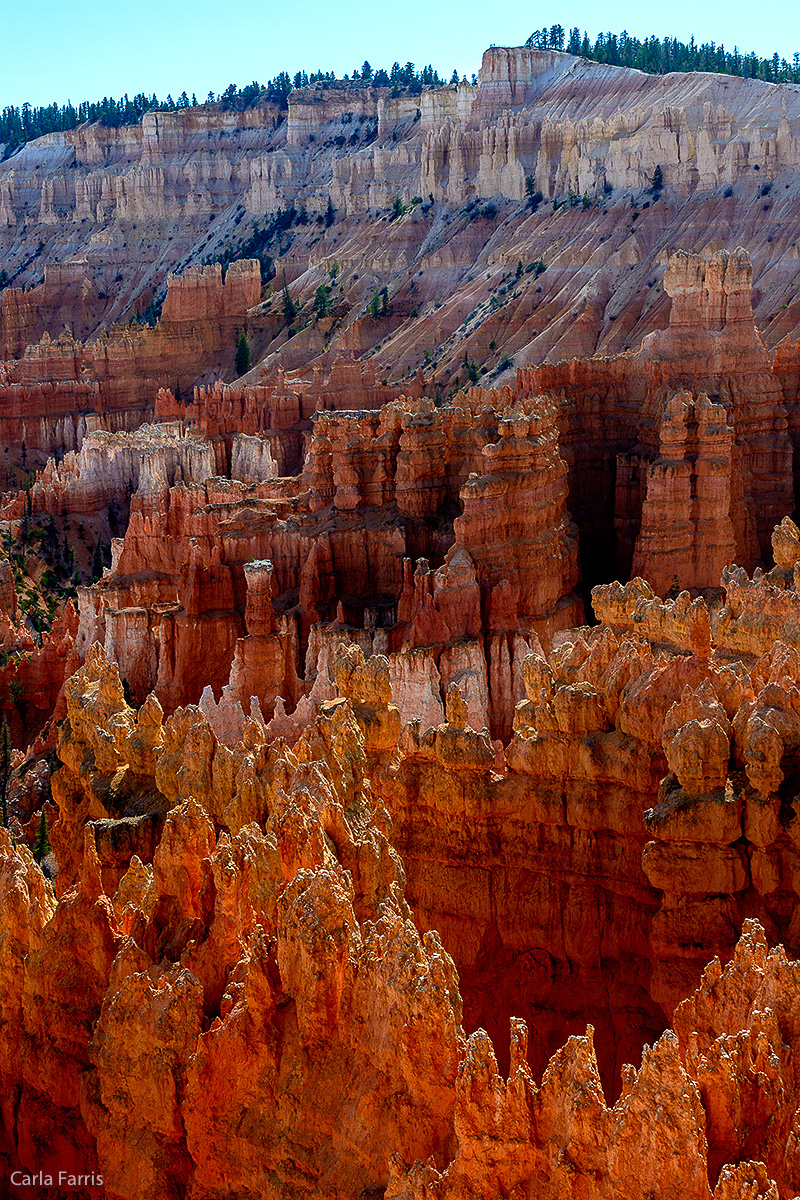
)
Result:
{"points": [[20, 124], [97, 561], [330, 214], [41, 847], [556, 37], [322, 300], [16, 690], [242, 360], [471, 368], [289, 306]]}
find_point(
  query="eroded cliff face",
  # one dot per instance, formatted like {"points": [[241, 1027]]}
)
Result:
{"points": [[376, 870], [582, 866], [55, 390], [351, 550], [94, 223], [562, 1139], [286, 944], [254, 1008], [453, 537]]}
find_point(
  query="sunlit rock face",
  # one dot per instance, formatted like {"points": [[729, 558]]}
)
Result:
{"points": [[417, 736], [226, 897]]}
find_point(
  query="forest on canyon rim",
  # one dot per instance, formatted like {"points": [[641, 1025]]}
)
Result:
{"points": [[400, 611]]}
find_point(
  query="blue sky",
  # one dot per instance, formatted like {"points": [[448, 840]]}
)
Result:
{"points": [[84, 50]]}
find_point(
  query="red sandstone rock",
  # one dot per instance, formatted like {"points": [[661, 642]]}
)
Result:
{"points": [[237, 901], [686, 532], [520, 495], [710, 347], [208, 908], [54, 390]]}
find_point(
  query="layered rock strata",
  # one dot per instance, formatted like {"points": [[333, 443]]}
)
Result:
{"points": [[373, 496], [366, 538], [231, 898], [55, 388], [209, 944], [94, 222], [680, 455], [382, 797]]}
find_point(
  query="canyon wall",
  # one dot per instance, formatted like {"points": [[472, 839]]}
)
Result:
{"points": [[416, 715], [94, 222], [172, 610], [456, 537], [681, 454], [267, 930], [57, 388]]}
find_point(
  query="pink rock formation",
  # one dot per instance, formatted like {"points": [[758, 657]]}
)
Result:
{"points": [[686, 530], [290, 929], [289, 932], [52, 389], [711, 348]]}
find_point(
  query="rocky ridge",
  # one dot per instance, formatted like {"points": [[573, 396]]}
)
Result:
{"points": [[547, 162], [231, 894], [375, 869]]}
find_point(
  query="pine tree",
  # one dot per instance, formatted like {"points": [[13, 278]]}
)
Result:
{"points": [[322, 300], [471, 368], [330, 214], [97, 561], [242, 360], [41, 847], [289, 306]]}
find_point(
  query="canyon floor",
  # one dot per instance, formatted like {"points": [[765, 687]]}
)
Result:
{"points": [[402, 791]]}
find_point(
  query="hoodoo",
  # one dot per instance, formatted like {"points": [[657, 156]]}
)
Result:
{"points": [[400, 739]]}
